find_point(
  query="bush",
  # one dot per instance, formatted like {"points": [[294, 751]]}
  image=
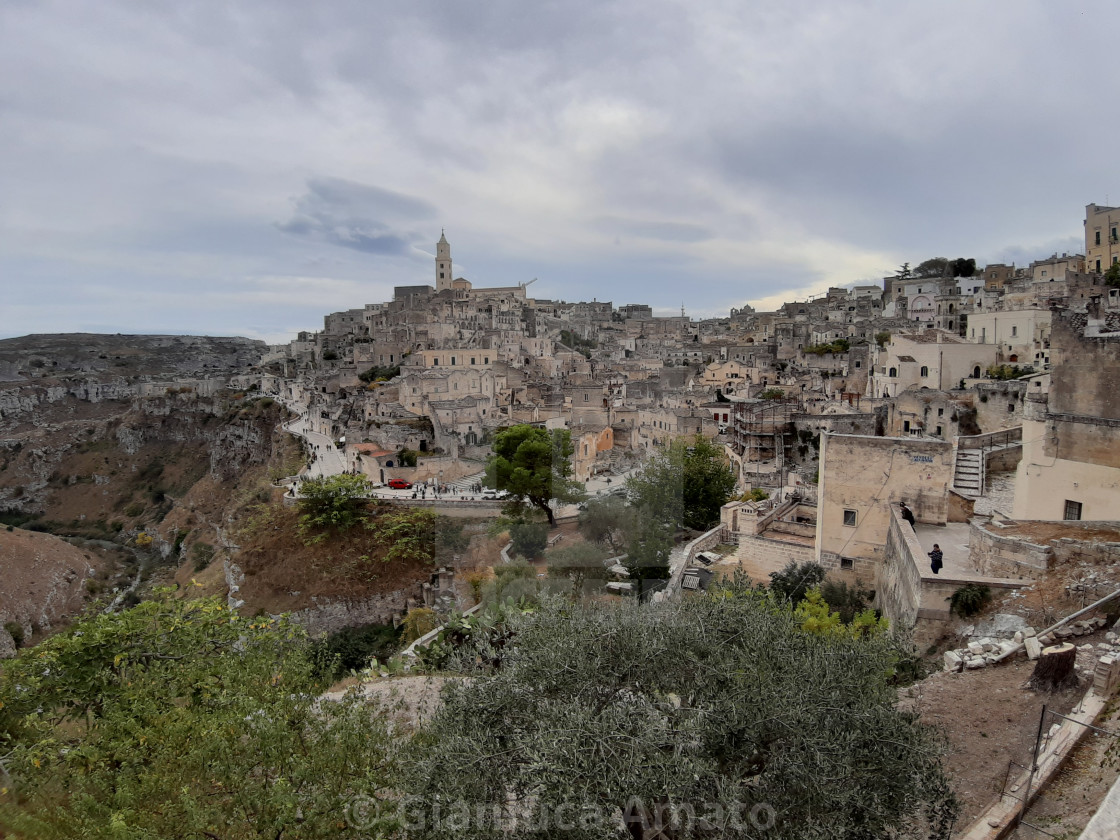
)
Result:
{"points": [[352, 648], [202, 554], [15, 630], [772, 394], [793, 583], [970, 599], [846, 600], [529, 538], [418, 622]]}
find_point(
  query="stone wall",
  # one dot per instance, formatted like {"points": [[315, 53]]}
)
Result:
{"points": [[961, 508], [1006, 556], [1004, 459], [759, 556], [898, 587], [912, 598]]}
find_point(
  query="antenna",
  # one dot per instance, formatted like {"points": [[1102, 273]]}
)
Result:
{"points": [[682, 308]]}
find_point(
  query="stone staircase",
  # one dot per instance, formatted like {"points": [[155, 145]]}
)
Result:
{"points": [[968, 475]]}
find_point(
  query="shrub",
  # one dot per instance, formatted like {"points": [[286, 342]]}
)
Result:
{"points": [[529, 538], [352, 648], [15, 630], [970, 599], [202, 554], [793, 583], [418, 622]]}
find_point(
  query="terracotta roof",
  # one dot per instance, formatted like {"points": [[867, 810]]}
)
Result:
{"points": [[371, 450]]}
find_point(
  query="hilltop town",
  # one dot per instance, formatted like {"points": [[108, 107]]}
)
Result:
{"points": [[984, 398]]}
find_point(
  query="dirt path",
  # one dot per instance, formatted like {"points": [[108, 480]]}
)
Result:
{"points": [[989, 719]]}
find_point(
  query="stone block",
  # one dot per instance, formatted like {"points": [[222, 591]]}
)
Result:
{"points": [[975, 648], [975, 663], [1018, 637], [953, 661], [1028, 632], [1006, 647], [1034, 648]]}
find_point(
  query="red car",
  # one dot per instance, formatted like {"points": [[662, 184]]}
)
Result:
{"points": [[399, 484]]}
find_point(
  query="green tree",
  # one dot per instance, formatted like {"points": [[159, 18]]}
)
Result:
{"points": [[903, 272], [1112, 276], [407, 457], [580, 564], [529, 537], [772, 394], [333, 503], [881, 338], [606, 520], [934, 267], [962, 267], [647, 555], [534, 466], [685, 483], [680, 712], [794, 581], [179, 719]]}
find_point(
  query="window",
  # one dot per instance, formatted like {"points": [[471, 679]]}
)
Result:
{"points": [[858, 364], [585, 397], [435, 362], [1011, 408], [1073, 510], [1014, 330], [486, 360], [850, 517], [905, 425], [452, 360], [938, 432], [845, 563], [925, 371], [940, 412], [472, 360], [893, 372]]}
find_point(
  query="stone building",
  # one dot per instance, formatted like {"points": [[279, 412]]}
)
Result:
{"points": [[1071, 435]]}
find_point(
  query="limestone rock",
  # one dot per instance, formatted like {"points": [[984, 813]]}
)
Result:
{"points": [[1034, 647]]}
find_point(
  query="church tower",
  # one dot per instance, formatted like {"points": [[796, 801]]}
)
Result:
{"points": [[443, 263]]}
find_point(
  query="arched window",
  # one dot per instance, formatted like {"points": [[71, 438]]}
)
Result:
{"points": [[892, 372], [925, 371], [976, 372]]}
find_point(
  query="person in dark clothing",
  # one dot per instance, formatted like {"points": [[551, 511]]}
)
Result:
{"points": [[935, 558], [907, 514]]}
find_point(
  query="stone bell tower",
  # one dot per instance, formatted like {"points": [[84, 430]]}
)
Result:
{"points": [[443, 264]]}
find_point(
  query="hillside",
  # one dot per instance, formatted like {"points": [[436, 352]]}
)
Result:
{"points": [[46, 581]]}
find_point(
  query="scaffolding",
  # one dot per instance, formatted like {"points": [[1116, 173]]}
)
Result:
{"points": [[763, 433]]}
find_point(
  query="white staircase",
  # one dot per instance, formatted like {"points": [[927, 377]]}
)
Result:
{"points": [[968, 476]]}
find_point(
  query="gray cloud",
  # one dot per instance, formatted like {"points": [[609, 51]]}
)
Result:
{"points": [[350, 215], [734, 151]]}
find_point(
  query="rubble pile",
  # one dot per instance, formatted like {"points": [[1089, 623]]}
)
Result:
{"points": [[989, 648]]}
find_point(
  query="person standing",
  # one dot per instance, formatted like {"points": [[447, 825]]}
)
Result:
{"points": [[935, 558], [907, 514]]}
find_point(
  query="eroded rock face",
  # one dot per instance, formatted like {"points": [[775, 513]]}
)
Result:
{"points": [[43, 583]]}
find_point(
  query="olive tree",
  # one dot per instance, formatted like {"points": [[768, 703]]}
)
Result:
{"points": [[714, 717]]}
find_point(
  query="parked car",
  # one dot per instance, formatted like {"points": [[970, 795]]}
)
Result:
{"points": [[399, 484]]}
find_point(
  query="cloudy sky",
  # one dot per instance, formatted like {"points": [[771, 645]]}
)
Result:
{"points": [[246, 167]]}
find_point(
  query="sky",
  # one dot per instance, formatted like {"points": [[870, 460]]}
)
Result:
{"points": [[244, 168]]}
